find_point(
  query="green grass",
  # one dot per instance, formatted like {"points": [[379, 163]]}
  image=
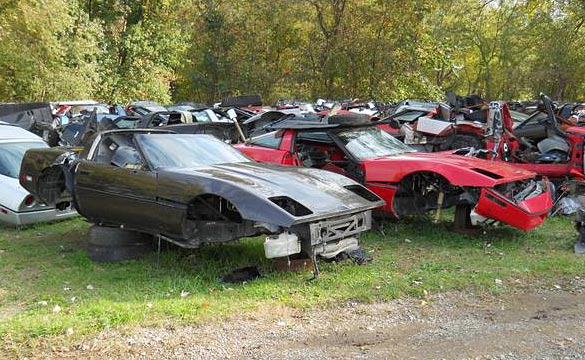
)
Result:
{"points": [[46, 265]]}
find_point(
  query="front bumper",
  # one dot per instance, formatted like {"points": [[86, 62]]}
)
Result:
{"points": [[14, 218], [329, 237], [524, 215], [340, 228], [333, 236]]}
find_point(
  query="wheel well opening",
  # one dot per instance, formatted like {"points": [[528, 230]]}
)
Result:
{"points": [[419, 192], [210, 207]]}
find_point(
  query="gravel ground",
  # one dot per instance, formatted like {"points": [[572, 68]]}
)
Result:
{"points": [[530, 323]]}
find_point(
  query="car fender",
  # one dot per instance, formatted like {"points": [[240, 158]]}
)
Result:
{"points": [[11, 193], [257, 198], [459, 172]]}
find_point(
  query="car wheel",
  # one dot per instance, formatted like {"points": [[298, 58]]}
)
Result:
{"points": [[107, 244], [462, 219], [463, 141]]}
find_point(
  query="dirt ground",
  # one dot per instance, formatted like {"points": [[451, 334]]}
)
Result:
{"points": [[537, 322]]}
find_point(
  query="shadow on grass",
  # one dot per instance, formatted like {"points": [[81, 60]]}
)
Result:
{"points": [[421, 231]]}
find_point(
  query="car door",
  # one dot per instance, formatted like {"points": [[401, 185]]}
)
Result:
{"points": [[117, 195], [272, 147]]}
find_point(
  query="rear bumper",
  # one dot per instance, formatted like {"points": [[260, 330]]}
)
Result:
{"points": [[524, 215], [13, 218]]}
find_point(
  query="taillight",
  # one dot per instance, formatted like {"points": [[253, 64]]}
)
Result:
{"points": [[29, 201], [24, 178]]}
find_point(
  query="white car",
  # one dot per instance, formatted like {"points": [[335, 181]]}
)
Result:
{"points": [[18, 206]]}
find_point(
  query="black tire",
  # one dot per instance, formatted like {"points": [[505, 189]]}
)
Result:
{"points": [[350, 119], [107, 244], [464, 141], [462, 219]]}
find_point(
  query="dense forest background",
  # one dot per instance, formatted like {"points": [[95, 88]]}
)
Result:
{"points": [[201, 50]]}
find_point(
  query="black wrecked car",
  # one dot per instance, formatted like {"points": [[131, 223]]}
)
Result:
{"points": [[194, 189]]}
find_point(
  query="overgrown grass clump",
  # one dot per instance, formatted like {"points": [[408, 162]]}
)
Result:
{"points": [[49, 287]]}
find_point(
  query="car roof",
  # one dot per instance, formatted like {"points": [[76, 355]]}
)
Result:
{"points": [[10, 132]]}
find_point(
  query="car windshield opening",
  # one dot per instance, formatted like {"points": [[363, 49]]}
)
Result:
{"points": [[371, 142], [187, 150], [11, 155]]}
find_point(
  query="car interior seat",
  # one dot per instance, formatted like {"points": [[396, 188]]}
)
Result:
{"points": [[126, 157]]}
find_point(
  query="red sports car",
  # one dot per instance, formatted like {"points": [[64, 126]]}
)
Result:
{"points": [[410, 182]]}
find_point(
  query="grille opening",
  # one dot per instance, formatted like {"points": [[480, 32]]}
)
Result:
{"points": [[363, 192], [293, 207], [487, 173]]}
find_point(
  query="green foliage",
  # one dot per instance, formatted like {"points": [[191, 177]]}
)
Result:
{"points": [[49, 287], [47, 52], [122, 50]]}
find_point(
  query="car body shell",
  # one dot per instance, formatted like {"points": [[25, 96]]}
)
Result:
{"points": [[383, 176], [193, 205]]}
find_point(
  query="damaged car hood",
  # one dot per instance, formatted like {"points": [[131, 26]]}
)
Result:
{"points": [[336, 193], [460, 171]]}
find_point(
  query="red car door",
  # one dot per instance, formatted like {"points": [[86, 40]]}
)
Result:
{"points": [[274, 147]]}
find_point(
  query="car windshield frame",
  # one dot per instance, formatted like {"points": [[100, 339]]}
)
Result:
{"points": [[536, 118], [186, 151], [371, 143], [11, 154]]}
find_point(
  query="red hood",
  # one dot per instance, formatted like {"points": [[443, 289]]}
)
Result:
{"points": [[459, 170]]}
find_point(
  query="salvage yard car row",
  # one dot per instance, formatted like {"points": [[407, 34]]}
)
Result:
{"points": [[333, 173]]}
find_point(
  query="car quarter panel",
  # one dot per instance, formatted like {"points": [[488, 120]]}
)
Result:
{"points": [[265, 154], [282, 155], [34, 163]]}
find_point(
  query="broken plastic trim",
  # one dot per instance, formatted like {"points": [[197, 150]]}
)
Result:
{"points": [[519, 191]]}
